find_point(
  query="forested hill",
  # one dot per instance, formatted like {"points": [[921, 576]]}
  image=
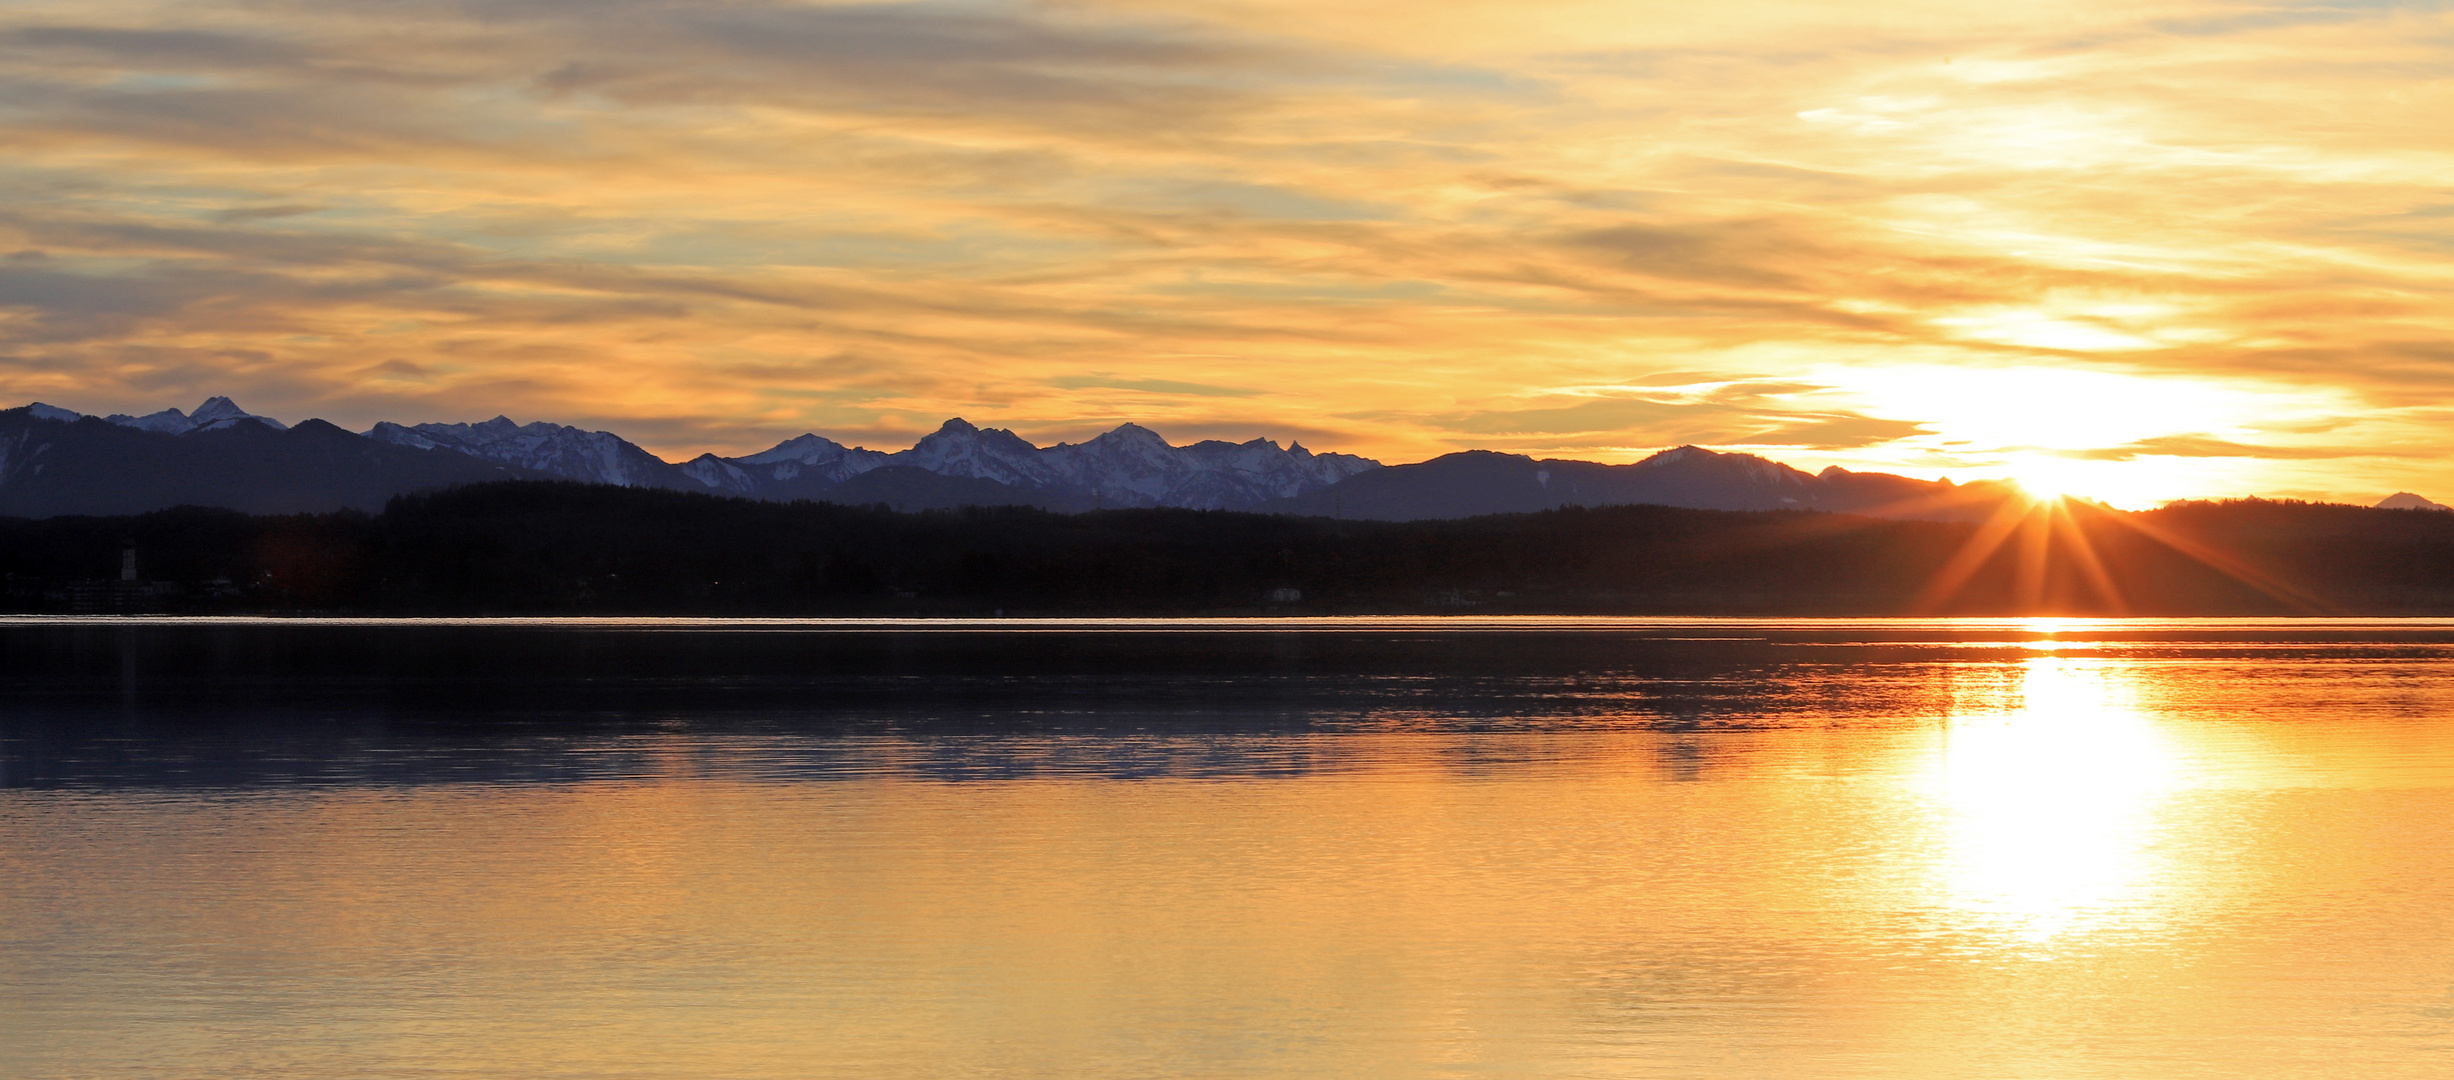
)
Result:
{"points": [[561, 548]]}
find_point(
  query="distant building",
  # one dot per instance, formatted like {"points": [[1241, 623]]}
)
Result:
{"points": [[127, 596]]}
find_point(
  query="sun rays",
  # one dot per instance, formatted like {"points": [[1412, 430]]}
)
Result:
{"points": [[2068, 555], [2042, 530]]}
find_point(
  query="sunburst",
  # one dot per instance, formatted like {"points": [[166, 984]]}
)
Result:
{"points": [[2047, 531]]}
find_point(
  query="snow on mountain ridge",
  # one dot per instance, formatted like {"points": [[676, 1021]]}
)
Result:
{"points": [[168, 421], [219, 412], [1133, 465], [957, 448], [717, 474], [1130, 465], [814, 455], [597, 457], [216, 413]]}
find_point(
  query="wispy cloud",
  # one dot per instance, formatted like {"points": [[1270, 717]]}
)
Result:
{"points": [[1106, 381], [2200, 446]]}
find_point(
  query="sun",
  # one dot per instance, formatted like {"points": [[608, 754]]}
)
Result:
{"points": [[2046, 479], [2041, 489]]}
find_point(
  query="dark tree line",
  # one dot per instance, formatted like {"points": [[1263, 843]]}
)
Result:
{"points": [[559, 548]]}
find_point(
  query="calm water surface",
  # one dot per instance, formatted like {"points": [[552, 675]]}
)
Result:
{"points": [[1393, 848]]}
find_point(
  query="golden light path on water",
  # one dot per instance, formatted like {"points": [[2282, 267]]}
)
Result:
{"points": [[2050, 786]]}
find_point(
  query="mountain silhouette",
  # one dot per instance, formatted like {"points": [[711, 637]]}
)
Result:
{"points": [[58, 461], [90, 466], [1476, 482]]}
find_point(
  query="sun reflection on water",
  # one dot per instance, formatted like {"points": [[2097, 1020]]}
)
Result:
{"points": [[2050, 791]]}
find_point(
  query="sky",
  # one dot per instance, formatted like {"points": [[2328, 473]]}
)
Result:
{"points": [[2140, 250]]}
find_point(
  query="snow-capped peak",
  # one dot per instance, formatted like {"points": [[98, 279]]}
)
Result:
{"points": [[960, 435], [957, 448], [215, 414], [809, 449], [1133, 433], [813, 456], [1130, 465], [54, 412], [717, 474], [219, 412], [599, 457]]}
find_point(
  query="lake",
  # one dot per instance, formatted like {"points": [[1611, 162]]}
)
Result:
{"points": [[1227, 848]]}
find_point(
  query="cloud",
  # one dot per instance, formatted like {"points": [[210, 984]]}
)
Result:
{"points": [[397, 369], [241, 214], [1737, 414], [150, 50], [2200, 446], [1739, 252], [1105, 381], [1841, 432], [1596, 415]]}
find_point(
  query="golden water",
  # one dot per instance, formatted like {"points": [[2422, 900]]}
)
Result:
{"points": [[2035, 859]]}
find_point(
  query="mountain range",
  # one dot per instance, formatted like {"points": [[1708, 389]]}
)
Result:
{"points": [[1128, 467], [1475, 482], [56, 461], [52, 465]]}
